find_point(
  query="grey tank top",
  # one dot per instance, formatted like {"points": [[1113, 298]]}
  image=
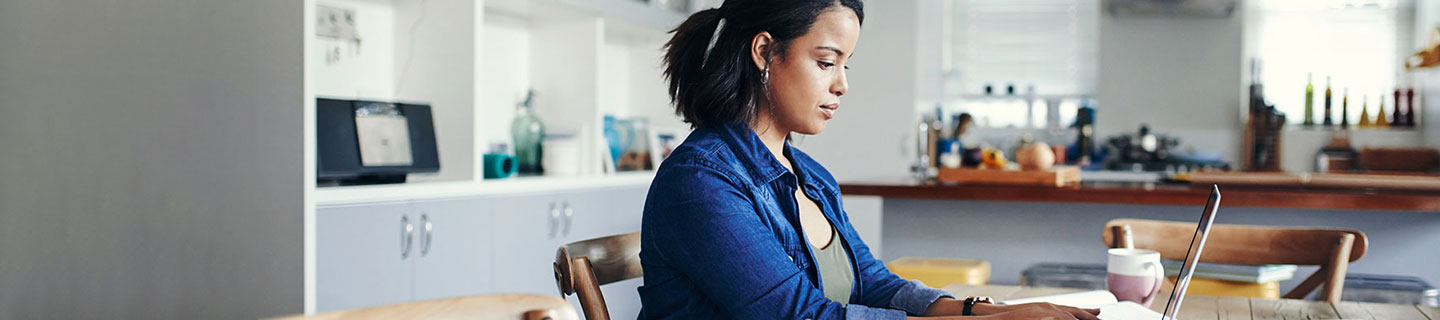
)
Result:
{"points": [[836, 274]]}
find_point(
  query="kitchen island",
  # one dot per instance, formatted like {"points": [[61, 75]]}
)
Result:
{"points": [[1155, 193], [1014, 227]]}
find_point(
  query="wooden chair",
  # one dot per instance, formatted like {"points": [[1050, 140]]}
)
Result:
{"points": [[496, 306], [582, 267], [1331, 249]]}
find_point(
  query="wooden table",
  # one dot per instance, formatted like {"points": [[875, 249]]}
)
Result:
{"points": [[1220, 308], [492, 306]]}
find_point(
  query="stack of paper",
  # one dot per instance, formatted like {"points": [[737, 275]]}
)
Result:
{"points": [[1235, 272]]}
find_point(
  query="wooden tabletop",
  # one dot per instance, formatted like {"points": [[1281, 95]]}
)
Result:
{"points": [[1153, 193], [1206, 307], [493, 306]]}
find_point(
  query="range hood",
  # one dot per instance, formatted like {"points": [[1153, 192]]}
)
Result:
{"points": [[1171, 8]]}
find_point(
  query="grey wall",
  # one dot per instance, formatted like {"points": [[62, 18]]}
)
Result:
{"points": [[1014, 235], [150, 159], [1182, 76]]}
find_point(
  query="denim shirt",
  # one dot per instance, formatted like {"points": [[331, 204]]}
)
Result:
{"points": [[721, 239]]}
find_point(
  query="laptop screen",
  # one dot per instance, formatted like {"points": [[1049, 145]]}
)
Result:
{"points": [[1192, 257]]}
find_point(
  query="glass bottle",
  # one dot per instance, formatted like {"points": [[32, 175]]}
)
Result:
{"points": [[1364, 111], [1410, 107], [1309, 100], [1328, 121], [1380, 114], [1398, 120], [528, 131], [1345, 109]]}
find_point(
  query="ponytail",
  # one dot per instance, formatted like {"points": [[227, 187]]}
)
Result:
{"points": [[707, 61]]}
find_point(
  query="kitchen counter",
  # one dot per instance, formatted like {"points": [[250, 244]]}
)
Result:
{"points": [[1156, 193]]}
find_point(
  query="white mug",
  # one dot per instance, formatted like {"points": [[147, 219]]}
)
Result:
{"points": [[1134, 275]]}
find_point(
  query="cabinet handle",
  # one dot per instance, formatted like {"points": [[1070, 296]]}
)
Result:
{"points": [[554, 220], [425, 239], [407, 235], [569, 215]]}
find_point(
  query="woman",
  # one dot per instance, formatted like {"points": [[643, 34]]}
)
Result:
{"points": [[738, 223]]}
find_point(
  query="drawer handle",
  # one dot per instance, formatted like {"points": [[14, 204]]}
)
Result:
{"points": [[569, 217], [554, 220], [407, 236], [426, 240]]}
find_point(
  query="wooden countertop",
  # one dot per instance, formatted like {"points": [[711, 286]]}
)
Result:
{"points": [[1153, 193]]}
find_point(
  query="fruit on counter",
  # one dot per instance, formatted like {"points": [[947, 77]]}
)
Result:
{"points": [[993, 158], [1035, 157]]}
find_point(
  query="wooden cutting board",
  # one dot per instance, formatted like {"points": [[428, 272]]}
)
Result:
{"points": [[1055, 177]]}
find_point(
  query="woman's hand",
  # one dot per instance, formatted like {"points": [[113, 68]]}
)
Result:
{"points": [[1037, 310]]}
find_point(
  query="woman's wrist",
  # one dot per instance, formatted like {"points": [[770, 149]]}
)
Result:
{"points": [[981, 309], [954, 307]]}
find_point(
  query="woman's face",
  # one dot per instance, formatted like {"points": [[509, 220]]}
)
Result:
{"points": [[807, 82]]}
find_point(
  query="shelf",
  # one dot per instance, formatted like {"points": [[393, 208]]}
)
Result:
{"points": [[644, 14], [345, 195]]}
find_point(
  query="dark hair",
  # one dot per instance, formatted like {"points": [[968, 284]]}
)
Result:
{"points": [[723, 86]]}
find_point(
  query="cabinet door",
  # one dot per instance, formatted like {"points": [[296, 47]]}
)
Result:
{"points": [[526, 237], [627, 206], [360, 256], [453, 248], [585, 215], [624, 211]]}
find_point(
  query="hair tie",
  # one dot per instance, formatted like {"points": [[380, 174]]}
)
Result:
{"points": [[713, 37]]}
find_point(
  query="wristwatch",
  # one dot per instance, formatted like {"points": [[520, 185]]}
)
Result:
{"points": [[971, 301]]}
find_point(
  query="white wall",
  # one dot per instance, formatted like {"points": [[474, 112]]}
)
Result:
{"points": [[415, 52], [1427, 16], [435, 63], [152, 163], [864, 139], [1182, 76], [365, 70], [504, 75]]}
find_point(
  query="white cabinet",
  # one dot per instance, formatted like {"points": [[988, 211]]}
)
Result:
{"points": [[526, 244], [361, 255], [383, 253], [526, 237], [376, 254], [453, 248]]}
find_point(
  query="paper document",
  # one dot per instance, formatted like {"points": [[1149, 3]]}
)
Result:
{"points": [[1110, 309]]}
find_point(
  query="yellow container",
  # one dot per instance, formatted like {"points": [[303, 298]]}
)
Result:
{"points": [[941, 272], [1222, 288]]}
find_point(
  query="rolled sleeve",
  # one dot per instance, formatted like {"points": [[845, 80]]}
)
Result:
{"points": [[915, 297]]}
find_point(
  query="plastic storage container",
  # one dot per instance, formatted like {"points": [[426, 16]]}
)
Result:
{"points": [[941, 272], [1064, 275], [1388, 289]]}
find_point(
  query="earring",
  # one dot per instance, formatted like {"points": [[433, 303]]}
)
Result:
{"points": [[765, 75]]}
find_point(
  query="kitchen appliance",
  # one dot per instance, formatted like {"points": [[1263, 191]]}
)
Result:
{"points": [[1148, 151], [372, 142]]}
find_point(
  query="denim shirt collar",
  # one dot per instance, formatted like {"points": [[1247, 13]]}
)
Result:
{"points": [[763, 165]]}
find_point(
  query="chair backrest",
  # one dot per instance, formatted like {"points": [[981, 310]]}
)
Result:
{"points": [[494, 306], [582, 267], [1331, 249]]}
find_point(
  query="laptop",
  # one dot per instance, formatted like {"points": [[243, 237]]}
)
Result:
{"points": [[1129, 310]]}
